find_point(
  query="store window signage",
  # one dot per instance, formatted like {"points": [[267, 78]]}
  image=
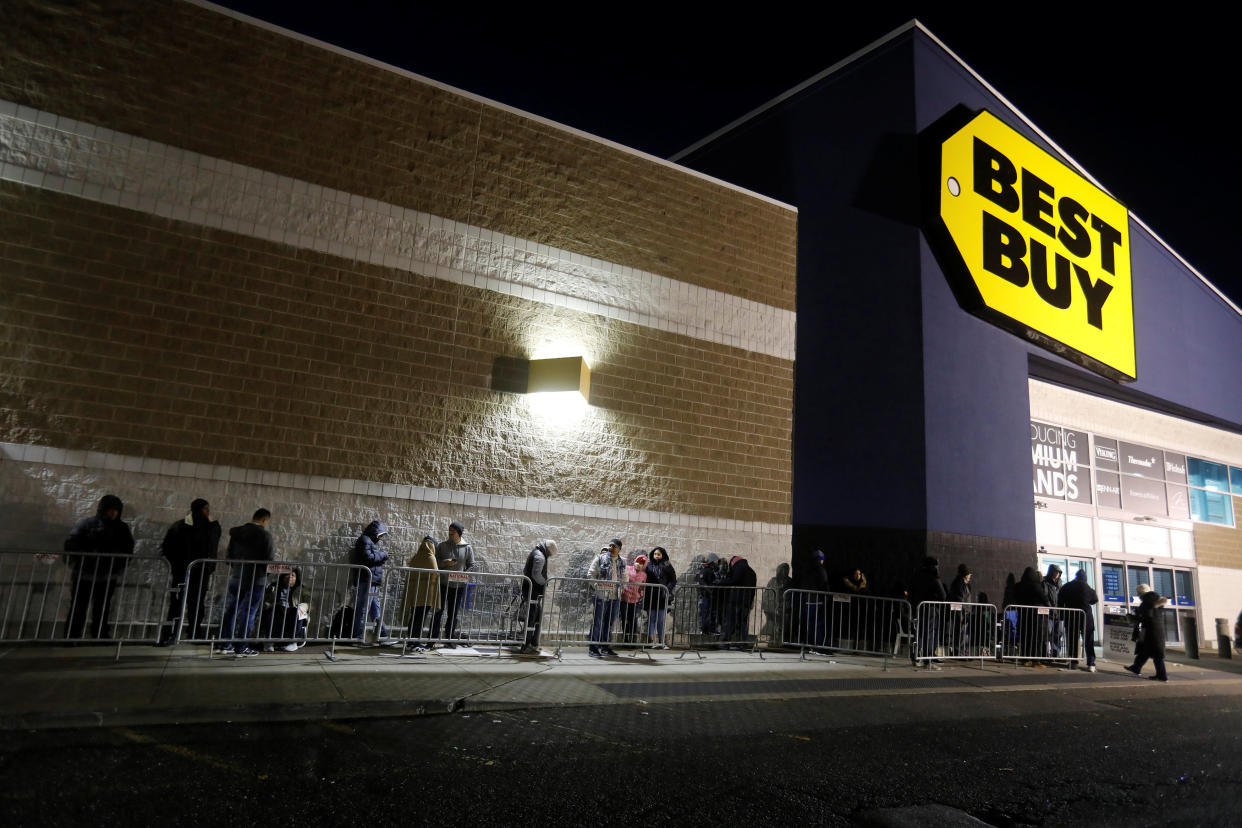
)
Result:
{"points": [[1057, 468], [1028, 243]]}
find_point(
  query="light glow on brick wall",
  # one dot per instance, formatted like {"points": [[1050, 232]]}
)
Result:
{"points": [[557, 411]]}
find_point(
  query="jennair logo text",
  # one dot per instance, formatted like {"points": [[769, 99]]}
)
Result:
{"points": [[1029, 243]]}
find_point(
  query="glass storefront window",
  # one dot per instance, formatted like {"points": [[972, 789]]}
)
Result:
{"points": [[1162, 582], [1211, 507], [1207, 475], [1172, 630], [1136, 575], [1185, 589], [1078, 532], [1235, 479], [1110, 536]]}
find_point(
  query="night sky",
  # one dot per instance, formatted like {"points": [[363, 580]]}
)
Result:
{"points": [[1142, 102]]}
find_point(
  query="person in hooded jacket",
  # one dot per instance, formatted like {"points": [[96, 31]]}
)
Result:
{"points": [[926, 586], [281, 614], [249, 543], [194, 537], [609, 572], [1029, 594], [1150, 621], [94, 578], [368, 553], [659, 571], [815, 598], [1078, 595], [739, 598], [1056, 628], [422, 590], [536, 572]]}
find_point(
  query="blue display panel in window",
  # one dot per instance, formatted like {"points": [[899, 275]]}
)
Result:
{"points": [[1185, 589], [1162, 582], [1207, 475], [1113, 583], [1211, 507], [1235, 479]]}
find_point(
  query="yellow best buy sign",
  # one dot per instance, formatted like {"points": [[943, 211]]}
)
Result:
{"points": [[1030, 244]]}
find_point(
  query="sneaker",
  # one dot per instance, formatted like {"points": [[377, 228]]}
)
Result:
{"points": [[269, 648], [1091, 668], [290, 648], [245, 652], [608, 651], [594, 652], [226, 650]]}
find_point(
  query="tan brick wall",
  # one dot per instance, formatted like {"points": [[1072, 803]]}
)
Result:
{"points": [[132, 334], [198, 80], [1219, 546]]}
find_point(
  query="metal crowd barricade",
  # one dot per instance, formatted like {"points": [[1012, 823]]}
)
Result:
{"points": [[707, 617], [241, 603], [843, 622], [82, 597], [953, 630], [596, 614], [426, 607], [1042, 634]]}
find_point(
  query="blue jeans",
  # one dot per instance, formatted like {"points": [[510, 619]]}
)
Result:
{"points": [[601, 623], [241, 604], [366, 606]]}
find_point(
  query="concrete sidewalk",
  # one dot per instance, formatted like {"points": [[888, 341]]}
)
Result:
{"points": [[49, 687]]}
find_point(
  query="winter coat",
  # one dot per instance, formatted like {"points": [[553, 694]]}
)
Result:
{"points": [[536, 569], [462, 557], [1030, 591], [280, 608], [250, 542], [101, 536], [815, 578], [1150, 617], [662, 573], [632, 593], [367, 551], [423, 588], [192, 538], [1051, 590], [858, 587], [926, 585], [960, 591], [609, 574], [1077, 594], [741, 576]]}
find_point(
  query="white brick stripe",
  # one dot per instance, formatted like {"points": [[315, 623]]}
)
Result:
{"points": [[25, 453], [41, 149]]}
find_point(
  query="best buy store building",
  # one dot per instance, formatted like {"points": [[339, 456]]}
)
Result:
{"points": [[997, 363]]}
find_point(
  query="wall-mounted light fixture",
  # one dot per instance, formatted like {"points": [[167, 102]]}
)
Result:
{"points": [[559, 375]]}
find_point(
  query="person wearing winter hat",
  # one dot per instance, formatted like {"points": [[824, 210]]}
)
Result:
{"points": [[109, 541], [454, 557]]}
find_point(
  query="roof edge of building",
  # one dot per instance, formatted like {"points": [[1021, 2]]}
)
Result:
{"points": [[379, 64]]}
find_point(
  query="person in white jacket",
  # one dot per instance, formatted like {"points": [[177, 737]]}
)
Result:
{"points": [[608, 573]]}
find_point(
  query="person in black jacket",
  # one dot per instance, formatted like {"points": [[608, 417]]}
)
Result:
{"points": [[281, 614], [367, 552], [536, 572], [108, 539], [1078, 595], [1150, 622], [926, 586], [194, 537], [250, 545], [959, 620], [815, 598], [659, 571], [1056, 628], [1029, 595], [739, 598]]}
